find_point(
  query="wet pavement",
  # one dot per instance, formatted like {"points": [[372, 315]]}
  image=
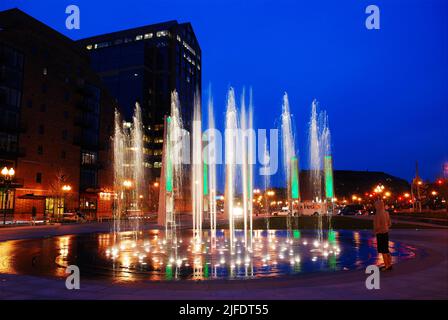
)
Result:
{"points": [[424, 277]]}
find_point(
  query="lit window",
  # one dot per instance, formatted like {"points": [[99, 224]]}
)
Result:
{"points": [[178, 38], [89, 47], [139, 37], [88, 158], [189, 48], [157, 164], [147, 165], [148, 35], [162, 33]]}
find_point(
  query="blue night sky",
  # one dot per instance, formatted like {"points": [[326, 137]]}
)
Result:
{"points": [[385, 90]]}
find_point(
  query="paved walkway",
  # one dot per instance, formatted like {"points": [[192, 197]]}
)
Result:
{"points": [[425, 277]]}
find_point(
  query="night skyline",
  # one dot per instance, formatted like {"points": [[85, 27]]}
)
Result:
{"points": [[320, 50]]}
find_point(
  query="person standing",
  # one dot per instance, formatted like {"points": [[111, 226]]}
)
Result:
{"points": [[381, 226]]}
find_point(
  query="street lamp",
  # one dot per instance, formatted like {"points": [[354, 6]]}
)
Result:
{"points": [[8, 175], [65, 189], [127, 183]]}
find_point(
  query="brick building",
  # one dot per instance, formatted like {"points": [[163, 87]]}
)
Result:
{"points": [[56, 120]]}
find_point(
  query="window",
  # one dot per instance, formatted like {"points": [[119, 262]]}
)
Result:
{"points": [[89, 47], [40, 150], [88, 178], [54, 206], [44, 88], [157, 164], [88, 157], [147, 165], [7, 199], [9, 96], [162, 33], [87, 204], [138, 37], [148, 35], [39, 177], [8, 142], [45, 71]]}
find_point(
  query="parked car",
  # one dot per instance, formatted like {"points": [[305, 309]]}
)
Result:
{"points": [[69, 217], [283, 212], [352, 210]]}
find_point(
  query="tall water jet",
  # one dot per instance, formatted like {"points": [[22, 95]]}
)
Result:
{"points": [[211, 166], [119, 173], [171, 175], [247, 160], [266, 183], [290, 160], [196, 174], [137, 166], [328, 174], [244, 165], [315, 164], [231, 128], [315, 158], [251, 163]]}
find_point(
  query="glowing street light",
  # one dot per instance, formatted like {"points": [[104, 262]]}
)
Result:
{"points": [[8, 173], [127, 183], [379, 188], [271, 193]]}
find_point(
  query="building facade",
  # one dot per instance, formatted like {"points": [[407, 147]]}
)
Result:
{"points": [[145, 65], [55, 124]]}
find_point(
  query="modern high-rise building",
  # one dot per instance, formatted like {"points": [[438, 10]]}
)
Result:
{"points": [[145, 65], [55, 124]]}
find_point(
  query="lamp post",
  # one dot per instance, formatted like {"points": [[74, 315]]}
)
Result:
{"points": [[8, 175], [65, 189]]}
